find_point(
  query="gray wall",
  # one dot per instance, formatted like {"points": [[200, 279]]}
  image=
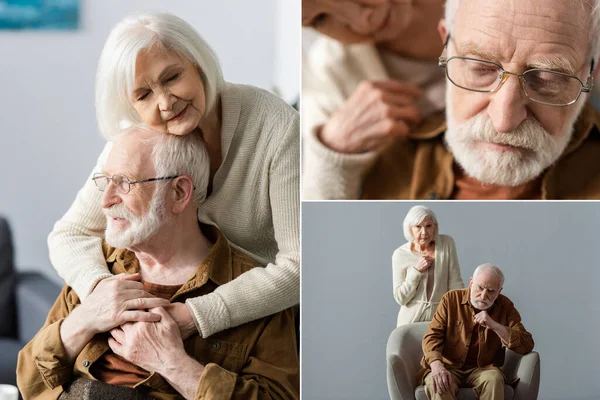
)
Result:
{"points": [[546, 250], [48, 136]]}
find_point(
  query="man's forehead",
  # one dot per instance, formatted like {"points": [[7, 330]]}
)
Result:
{"points": [[524, 32], [129, 156], [487, 280]]}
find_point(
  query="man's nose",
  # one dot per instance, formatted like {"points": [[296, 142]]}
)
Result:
{"points": [[110, 197], [507, 106]]}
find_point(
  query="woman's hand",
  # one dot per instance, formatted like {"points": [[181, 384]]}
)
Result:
{"points": [[424, 263], [375, 113], [182, 316], [118, 300]]}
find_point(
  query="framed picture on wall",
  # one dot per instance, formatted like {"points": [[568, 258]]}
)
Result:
{"points": [[39, 14]]}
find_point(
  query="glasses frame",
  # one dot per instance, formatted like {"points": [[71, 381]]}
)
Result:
{"points": [[585, 88], [126, 179]]}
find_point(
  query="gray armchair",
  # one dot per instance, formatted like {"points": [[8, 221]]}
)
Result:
{"points": [[25, 299], [404, 352]]}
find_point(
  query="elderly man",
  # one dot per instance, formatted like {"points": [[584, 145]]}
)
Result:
{"points": [[152, 185], [464, 345], [518, 121]]}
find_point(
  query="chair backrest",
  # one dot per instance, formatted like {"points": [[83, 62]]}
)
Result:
{"points": [[8, 325]]}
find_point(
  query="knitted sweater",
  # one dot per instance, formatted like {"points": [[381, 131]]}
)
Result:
{"points": [[331, 72], [255, 203]]}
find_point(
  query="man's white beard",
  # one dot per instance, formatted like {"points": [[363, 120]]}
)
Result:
{"points": [[140, 229], [538, 149], [479, 304]]}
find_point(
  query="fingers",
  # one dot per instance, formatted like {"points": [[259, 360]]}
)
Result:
{"points": [[142, 303], [115, 346], [118, 334], [129, 277], [398, 87], [446, 381], [435, 386], [139, 316]]}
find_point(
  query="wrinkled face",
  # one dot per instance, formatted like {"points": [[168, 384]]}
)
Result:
{"points": [[423, 231], [132, 218], [503, 137], [357, 21], [485, 288], [168, 94]]}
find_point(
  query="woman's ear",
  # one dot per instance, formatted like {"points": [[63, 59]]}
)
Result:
{"points": [[183, 191]]}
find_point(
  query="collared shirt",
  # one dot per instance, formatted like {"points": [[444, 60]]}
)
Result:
{"points": [[423, 168], [240, 363], [450, 330]]}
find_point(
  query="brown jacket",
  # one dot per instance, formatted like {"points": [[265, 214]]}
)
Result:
{"points": [[257, 360], [422, 167], [449, 333]]}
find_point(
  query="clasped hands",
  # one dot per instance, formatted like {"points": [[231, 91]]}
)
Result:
{"points": [[146, 330]]}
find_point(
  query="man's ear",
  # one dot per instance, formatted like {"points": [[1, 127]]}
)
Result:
{"points": [[442, 30], [182, 192], [470, 281]]}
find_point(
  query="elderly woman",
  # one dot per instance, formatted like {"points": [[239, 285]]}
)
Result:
{"points": [[371, 77], [424, 268], [156, 70]]}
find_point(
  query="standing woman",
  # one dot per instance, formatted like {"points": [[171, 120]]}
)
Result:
{"points": [[156, 70], [424, 268]]}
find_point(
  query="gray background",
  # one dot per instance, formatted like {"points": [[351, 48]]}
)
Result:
{"points": [[49, 140], [548, 252]]}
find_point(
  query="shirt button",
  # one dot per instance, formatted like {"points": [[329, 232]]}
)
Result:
{"points": [[216, 345], [86, 363], [433, 196]]}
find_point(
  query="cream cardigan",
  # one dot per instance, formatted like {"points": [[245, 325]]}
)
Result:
{"points": [[255, 203], [410, 285], [331, 71]]}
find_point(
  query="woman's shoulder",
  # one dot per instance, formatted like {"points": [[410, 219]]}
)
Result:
{"points": [[446, 240], [402, 251], [253, 99]]}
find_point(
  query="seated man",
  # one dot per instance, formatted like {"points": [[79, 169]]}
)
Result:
{"points": [[464, 345], [152, 186], [518, 123]]}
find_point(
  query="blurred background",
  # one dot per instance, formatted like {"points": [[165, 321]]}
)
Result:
{"points": [[50, 140]]}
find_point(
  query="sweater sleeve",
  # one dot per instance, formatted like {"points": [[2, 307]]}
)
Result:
{"points": [[75, 243], [264, 291], [454, 277], [406, 280]]}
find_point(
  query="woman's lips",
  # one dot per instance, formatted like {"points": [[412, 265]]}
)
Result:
{"points": [[178, 116]]}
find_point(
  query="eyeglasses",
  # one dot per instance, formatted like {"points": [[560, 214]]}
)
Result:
{"points": [[540, 85], [122, 183]]}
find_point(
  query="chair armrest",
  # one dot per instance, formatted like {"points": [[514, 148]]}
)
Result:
{"points": [[35, 295], [403, 353], [529, 374]]}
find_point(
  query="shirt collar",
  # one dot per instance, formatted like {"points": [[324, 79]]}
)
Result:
{"points": [[217, 265]]}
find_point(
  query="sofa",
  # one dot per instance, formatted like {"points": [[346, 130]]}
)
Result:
{"points": [[25, 299]]}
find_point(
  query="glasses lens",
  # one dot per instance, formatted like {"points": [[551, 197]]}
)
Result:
{"points": [[121, 183], [474, 75], [551, 87], [101, 181]]}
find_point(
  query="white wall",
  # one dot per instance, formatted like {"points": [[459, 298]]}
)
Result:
{"points": [[48, 136]]}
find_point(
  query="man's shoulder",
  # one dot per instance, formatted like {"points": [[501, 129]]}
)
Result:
{"points": [[454, 296]]}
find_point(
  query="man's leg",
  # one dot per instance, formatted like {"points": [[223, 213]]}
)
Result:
{"points": [[448, 394], [488, 383]]}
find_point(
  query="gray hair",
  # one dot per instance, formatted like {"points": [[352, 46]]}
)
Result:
{"points": [[490, 268], [415, 216], [594, 21], [115, 77]]}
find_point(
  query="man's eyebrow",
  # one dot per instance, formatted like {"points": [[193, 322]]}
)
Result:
{"points": [[553, 63], [477, 51]]}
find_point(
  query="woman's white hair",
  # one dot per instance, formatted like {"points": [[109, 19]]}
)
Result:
{"points": [[415, 216], [115, 77], [594, 21], [492, 269]]}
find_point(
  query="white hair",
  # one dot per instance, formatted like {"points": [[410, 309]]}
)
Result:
{"points": [[490, 268], [175, 155], [115, 77], [593, 38], [415, 216]]}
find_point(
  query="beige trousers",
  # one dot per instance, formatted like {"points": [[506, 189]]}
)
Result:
{"points": [[487, 383]]}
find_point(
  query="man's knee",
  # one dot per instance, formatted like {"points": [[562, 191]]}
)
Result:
{"points": [[490, 378]]}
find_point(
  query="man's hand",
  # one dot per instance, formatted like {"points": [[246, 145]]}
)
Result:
{"points": [[182, 316], [482, 318], [375, 113], [442, 379], [117, 300]]}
